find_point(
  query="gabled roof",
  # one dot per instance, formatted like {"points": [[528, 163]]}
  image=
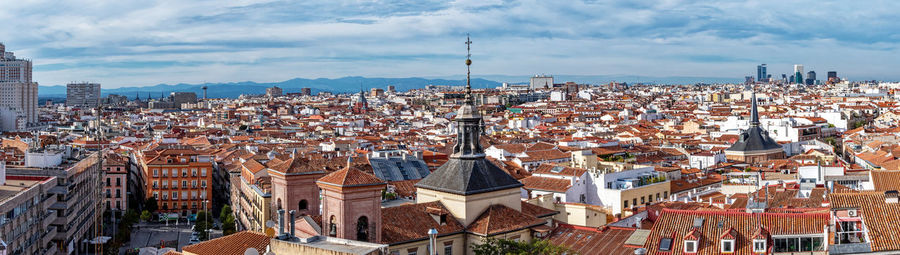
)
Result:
{"points": [[407, 223], [498, 219]]}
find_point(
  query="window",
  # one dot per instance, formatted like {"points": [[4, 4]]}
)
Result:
{"points": [[203, 183], [184, 184], [183, 172], [665, 194], [203, 172], [412, 251], [665, 244], [448, 248], [642, 201], [118, 181], [107, 182], [175, 195], [657, 196], [798, 244], [626, 204], [634, 202], [759, 245], [155, 184], [332, 227], [690, 246], [155, 173], [727, 246]]}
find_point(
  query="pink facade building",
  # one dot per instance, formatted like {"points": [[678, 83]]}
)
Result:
{"points": [[115, 183]]}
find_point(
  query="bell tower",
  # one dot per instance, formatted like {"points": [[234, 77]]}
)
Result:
{"points": [[351, 205]]}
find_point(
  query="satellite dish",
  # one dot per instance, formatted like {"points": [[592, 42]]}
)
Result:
{"points": [[251, 251], [270, 224]]}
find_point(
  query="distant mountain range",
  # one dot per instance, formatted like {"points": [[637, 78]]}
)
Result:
{"points": [[235, 89], [355, 83]]}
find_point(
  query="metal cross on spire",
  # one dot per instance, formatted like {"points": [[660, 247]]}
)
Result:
{"points": [[468, 72]]}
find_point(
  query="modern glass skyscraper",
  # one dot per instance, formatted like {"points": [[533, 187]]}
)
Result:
{"points": [[798, 74], [761, 75]]}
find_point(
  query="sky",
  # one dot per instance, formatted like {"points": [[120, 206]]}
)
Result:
{"points": [[141, 43]]}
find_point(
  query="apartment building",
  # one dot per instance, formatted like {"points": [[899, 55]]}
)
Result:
{"points": [[83, 94], [115, 183], [25, 214], [179, 177], [77, 199]]}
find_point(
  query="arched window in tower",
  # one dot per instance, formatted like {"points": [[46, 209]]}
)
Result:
{"points": [[303, 205], [332, 227], [278, 205], [362, 229]]}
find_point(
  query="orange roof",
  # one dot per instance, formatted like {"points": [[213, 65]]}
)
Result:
{"points": [[499, 219], [350, 176], [234, 244]]}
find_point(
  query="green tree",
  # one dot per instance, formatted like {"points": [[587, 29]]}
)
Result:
{"points": [[226, 210], [493, 246], [228, 225], [145, 215], [150, 205], [202, 224]]}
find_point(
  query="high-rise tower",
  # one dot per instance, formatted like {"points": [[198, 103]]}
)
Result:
{"points": [[798, 74], [18, 93], [761, 75]]}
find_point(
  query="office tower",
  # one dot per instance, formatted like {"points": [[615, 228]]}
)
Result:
{"points": [[748, 79], [306, 91], [798, 74], [761, 75], [832, 76], [811, 78], [541, 81], [18, 93], [84, 94], [784, 78], [391, 89]]}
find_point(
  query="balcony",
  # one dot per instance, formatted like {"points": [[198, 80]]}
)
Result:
{"points": [[49, 217]]}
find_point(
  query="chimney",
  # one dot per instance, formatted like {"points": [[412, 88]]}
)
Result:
{"points": [[890, 197], [432, 241], [280, 222], [640, 251], [292, 212]]}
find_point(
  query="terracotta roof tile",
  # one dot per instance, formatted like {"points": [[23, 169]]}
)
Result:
{"points": [[498, 218], [351, 176], [411, 222], [234, 244]]}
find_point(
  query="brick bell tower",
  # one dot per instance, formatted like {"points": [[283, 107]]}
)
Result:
{"points": [[351, 205]]}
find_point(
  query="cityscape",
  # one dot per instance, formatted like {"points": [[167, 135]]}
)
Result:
{"points": [[134, 157]]}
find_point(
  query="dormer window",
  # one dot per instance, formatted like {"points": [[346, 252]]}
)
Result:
{"points": [[759, 245], [690, 246], [727, 246], [726, 241]]}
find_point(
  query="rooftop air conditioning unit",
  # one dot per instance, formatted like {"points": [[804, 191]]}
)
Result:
{"points": [[851, 213]]}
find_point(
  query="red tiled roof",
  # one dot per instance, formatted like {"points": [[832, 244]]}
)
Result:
{"points": [[497, 219], [546, 184], [234, 244], [885, 180], [351, 176], [880, 217], [583, 240], [677, 224], [408, 223]]}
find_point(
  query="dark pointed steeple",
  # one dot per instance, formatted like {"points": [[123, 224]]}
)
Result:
{"points": [[754, 114], [468, 171]]}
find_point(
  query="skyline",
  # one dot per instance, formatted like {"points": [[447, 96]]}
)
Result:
{"points": [[144, 44]]}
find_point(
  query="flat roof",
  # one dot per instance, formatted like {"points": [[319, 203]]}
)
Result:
{"points": [[16, 184]]}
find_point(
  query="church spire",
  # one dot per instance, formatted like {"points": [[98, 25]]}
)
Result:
{"points": [[754, 114], [469, 122]]}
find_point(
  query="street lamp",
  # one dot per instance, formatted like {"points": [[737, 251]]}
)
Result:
{"points": [[206, 218]]}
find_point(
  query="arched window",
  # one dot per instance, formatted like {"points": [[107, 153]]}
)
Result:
{"points": [[278, 205], [332, 227], [303, 205], [362, 229]]}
